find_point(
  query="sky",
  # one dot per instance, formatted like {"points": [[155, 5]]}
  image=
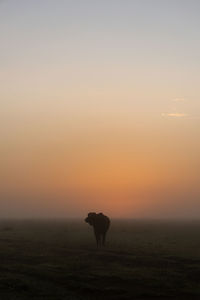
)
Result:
{"points": [[100, 108]]}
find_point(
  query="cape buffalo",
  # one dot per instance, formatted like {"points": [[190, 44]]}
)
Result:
{"points": [[100, 224]]}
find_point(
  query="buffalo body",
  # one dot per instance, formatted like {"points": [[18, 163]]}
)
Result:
{"points": [[101, 224]]}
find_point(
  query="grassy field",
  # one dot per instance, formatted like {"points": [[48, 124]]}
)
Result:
{"points": [[59, 260]]}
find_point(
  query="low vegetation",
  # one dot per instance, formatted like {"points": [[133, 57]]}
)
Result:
{"points": [[59, 260]]}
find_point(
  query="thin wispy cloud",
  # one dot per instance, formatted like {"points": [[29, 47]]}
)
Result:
{"points": [[174, 111], [179, 100], [174, 115]]}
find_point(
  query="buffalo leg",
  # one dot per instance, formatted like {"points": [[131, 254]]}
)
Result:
{"points": [[98, 240], [104, 239]]}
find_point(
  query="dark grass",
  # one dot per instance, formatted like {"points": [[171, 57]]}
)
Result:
{"points": [[59, 260]]}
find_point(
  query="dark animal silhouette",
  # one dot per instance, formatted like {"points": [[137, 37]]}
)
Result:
{"points": [[101, 224]]}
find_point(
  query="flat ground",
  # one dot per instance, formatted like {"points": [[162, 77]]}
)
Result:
{"points": [[59, 260]]}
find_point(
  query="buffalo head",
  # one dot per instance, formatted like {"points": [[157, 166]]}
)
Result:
{"points": [[91, 218]]}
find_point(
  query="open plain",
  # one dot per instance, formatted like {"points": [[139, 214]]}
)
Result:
{"points": [[58, 259]]}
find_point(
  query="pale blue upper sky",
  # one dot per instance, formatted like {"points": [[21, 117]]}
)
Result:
{"points": [[92, 44]]}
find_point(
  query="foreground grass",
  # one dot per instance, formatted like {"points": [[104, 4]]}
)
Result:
{"points": [[59, 260]]}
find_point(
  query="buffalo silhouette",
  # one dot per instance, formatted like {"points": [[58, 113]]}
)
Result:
{"points": [[101, 224]]}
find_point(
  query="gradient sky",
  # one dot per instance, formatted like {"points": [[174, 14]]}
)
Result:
{"points": [[100, 108]]}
